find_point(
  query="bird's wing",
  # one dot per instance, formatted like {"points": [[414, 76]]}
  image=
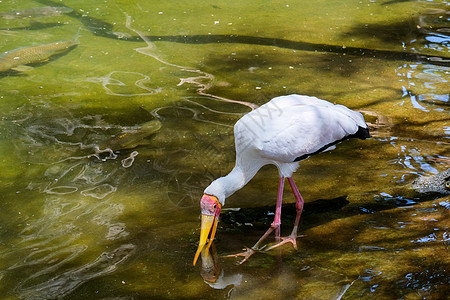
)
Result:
{"points": [[303, 130], [285, 102]]}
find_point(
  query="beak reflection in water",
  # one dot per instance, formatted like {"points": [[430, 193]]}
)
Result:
{"points": [[210, 207], [210, 264]]}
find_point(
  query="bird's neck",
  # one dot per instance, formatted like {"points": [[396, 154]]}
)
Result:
{"points": [[224, 187]]}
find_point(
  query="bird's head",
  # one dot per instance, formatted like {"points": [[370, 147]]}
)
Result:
{"points": [[210, 207]]}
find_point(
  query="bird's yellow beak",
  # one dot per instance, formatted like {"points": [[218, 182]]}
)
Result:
{"points": [[208, 229]]}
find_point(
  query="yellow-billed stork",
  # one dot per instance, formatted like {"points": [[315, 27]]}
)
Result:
{"points": [[281, 132]]}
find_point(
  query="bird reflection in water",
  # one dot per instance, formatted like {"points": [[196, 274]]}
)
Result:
{"points": [[213, 274]]}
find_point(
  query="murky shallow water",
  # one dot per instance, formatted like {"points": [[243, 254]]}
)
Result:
{"points": [[77, 223]]}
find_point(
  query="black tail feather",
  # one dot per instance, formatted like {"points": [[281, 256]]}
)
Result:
{"points": [[362, 133]]}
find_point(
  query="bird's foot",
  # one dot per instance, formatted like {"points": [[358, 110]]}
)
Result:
{"points": [[288, 239], [246, 254]]}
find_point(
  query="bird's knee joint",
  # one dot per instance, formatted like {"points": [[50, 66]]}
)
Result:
{"points": [[275, 225]]}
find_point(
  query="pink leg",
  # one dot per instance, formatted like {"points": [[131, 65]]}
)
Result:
{"points": [[274, 226], [292, 238], [277, 220]]}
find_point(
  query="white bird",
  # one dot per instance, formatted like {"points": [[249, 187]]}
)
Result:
{"points": [[281, 132]]}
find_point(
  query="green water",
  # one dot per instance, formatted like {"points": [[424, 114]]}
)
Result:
{"points": [[75, 223]]}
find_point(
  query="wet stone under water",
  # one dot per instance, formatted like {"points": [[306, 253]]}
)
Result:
{"points": [[106, 149]]}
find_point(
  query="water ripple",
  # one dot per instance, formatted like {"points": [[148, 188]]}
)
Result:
{"points": [[100, 191], [424, 85], [62, 284], [125, 88]]}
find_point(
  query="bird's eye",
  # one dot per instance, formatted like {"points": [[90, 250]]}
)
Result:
{"points": [[215, 205]]}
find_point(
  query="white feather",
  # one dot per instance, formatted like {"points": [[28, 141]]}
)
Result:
{"points": [[278, 132]]}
